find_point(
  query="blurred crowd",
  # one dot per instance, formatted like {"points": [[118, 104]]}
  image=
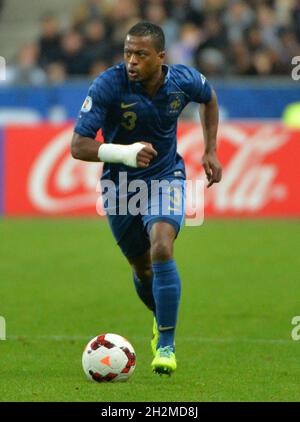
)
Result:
{"points": [[219, 37]]}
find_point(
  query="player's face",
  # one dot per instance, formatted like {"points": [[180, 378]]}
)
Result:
{"points": [[142, 60]]}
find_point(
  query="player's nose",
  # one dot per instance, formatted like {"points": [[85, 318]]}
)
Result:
{"points": [[132, 60]]}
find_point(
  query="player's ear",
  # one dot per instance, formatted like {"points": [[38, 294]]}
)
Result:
{"points": [[162, 55]]}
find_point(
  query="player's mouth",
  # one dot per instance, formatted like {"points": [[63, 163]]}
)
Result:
{"points": [[133, 74]]}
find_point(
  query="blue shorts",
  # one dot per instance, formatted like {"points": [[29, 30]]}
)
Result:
{"points": [[131, 230]]}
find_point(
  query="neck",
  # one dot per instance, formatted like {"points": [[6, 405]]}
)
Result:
{"points": [[153, 84]]}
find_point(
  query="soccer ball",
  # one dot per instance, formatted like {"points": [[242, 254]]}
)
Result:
{"points": [[108, 357]]}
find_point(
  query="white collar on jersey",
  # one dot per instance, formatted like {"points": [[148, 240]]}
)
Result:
{"points": [[166, 70]]}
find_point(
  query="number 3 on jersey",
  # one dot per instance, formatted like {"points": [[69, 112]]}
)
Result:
{"points": [[175, 199], [129, 118]]}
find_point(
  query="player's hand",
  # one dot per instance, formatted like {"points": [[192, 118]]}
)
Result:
{"points": [[145, 155], [212, 167]]}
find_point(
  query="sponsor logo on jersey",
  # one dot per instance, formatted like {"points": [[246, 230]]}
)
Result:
{"points": [[123, 105]]}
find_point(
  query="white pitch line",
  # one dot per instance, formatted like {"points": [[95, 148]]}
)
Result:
{"points": [[189, 338]]}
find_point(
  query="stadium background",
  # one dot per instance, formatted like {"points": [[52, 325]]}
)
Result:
{"points": [[63, 280]]}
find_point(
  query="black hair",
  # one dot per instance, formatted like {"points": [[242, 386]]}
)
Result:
{"points": [[148, 29]]}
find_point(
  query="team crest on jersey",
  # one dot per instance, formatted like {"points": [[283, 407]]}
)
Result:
{"points": [[87, 105], [175, 104]]}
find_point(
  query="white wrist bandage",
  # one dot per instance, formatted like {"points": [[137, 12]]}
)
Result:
{"points": [[126, 154]]}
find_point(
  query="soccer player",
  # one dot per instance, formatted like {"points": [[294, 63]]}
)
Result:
{"points": [[137, 104]]}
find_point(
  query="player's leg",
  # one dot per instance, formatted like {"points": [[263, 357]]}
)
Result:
{"points": [[142, 277], [166, 282], [134, 243], [166, 291], [163, 230]]}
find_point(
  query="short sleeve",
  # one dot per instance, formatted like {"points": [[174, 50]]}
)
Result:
{"points": [[94, 109], [199, 88]]}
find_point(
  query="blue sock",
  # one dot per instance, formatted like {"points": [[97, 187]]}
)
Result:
{"points": [[166, 291], [144, 291]]}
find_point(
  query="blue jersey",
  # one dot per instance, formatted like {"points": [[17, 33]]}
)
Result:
{"points": [[127, 114]]}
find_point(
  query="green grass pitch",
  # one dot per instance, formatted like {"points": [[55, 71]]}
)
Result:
{"points": [[65, 281]]}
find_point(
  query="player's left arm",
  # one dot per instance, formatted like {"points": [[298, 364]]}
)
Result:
{"points": [[209, 115]]}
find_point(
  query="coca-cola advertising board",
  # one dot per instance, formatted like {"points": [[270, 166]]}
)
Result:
{"points": [[260, 171], [1, 171]]}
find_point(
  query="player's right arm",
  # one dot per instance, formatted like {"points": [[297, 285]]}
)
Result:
{"points": [[138, 154], [91, 118]]}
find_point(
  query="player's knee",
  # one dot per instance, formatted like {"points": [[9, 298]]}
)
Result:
{"points": [[145, 274], [161, 251]]}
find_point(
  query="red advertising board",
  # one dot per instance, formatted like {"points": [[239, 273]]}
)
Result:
{"points": [[260, 176]]}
